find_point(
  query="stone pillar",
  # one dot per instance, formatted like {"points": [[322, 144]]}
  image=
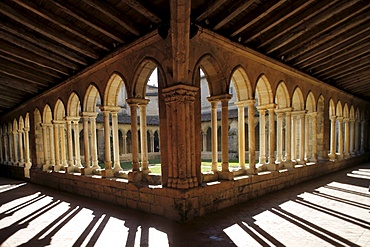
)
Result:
{"points": [[340, 138], [134, 135], [272, 166], [241, 133], [301, 118], [151, 142], [214, 133], [314, 137], [6, 148], [279, 138], [45, 144], [333, 120], [62, 144], [362, 145], [180, 109], [204, 136], [94, 147], [117, 164], [56, 146], [11, 149], [307, 154], [20, 144], [357, 136], [294, 136], [1, 147], [69, 142], [85, 122], [107, 133], [143, 137], [262, 119], [352, 137], [251, 137], [225, 132], [288, 138], [27, 147], [124, 137], [77, 143], [346, 138], [15, 148]]}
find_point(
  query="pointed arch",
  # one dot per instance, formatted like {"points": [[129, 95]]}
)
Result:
{"points": [[282, 98], [59, 110], [91, 98], [331, 108], [263, 90], [217, 82], [311, 102], [297, 100], [339, 109], [21, 123], [15, 124], [242, 84], [352, 113], [345, 111], [73, 105], [112, 90], [47, 116]]}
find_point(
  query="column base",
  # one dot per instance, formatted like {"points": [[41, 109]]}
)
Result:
{"points": [[272, 167], [301, 162], [226, 175], [135, 176], [86, 171], [261, 167], [57, 168], [289, 164], [70, 169], [46, 168], [332, 157]]}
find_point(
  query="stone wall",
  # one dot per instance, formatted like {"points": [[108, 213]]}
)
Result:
{"points": [[174, 204]]}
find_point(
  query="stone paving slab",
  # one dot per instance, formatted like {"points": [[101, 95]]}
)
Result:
{"points": [[333, 210]]}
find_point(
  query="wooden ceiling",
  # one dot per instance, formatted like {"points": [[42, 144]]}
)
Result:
{"points": [[44, 42]]}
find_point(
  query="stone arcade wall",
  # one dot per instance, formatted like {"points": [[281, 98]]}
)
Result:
{"points": [[179, 205]]}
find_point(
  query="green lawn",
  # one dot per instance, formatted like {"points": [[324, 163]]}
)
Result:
{"points": [[155, 165]]}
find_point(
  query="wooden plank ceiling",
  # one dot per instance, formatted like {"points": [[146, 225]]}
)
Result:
{"points": [[44, 42]]}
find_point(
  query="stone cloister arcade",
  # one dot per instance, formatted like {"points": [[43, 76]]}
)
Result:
{"points": [[303, 128]]}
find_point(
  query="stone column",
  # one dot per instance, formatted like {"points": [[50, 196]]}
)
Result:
{"points": [[352, 137], [262, 119], [288, 138], [279, 127], [346, 138], [307, 154], [94, 148], [77, 143], [62, 144], [151, 142], [11, 149], [294, 136], [143, 137], [124, 137], [251, 137], [362, 145], [20, 144], [225, 132], [51, 144], [45, 144], [69, 142], [1, 147], [357, 136], [314, 137], [56, 146], [15, 148], [180, 110], [116, 165], [241, 132], [134, 135], [107, 133], [271, 109], [27, 147], [214, 133], [301, 118], [204, 136], [85, 121], [340, 138], [6, 148], [333, 120]]}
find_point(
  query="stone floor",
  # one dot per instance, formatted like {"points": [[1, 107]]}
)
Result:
{"points": [[333, 210]]}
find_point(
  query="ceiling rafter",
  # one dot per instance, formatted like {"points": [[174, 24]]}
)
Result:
{"points": [[259, 16], [211, 7], [238, 9], [143, 10], [88, 20], [114, 15], [48, 32], [59, 21], [353, 70], [18, 85]]}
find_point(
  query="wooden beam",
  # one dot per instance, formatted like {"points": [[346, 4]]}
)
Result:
{"points": [[48, 32], [5, 85], [25, 79], [8, 58], [351, 72], [89, 20], [294, 23], [37, 9], [15, 30], [211, 7], [240, 7], [37, 50], [325, 33], [143, 10], [29, 57], [358, 78], [258, 16], [347, 67], [309, 25], [8, 82], [113, 14]]}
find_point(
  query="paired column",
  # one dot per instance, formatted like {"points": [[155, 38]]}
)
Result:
{"points": [[346, 138], [2, 148], [333, 120], [279, 137], [214, 104], [143, 137], [251, 137], [314, 137], [352, 137], [51, 144], [362, 145], [116, 165], [15, 148], [301, 119], [241, 132], [45, 144], [94, 144], [76, 131], [85, 122], [204, 136], [288, 138], [20, 145], [225, 132], [262, 120], [340, 138], [357, 136], [271, 109], [134, 135]]}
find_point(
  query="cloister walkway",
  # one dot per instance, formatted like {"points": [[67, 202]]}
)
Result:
{"points": [[333, 210]]}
